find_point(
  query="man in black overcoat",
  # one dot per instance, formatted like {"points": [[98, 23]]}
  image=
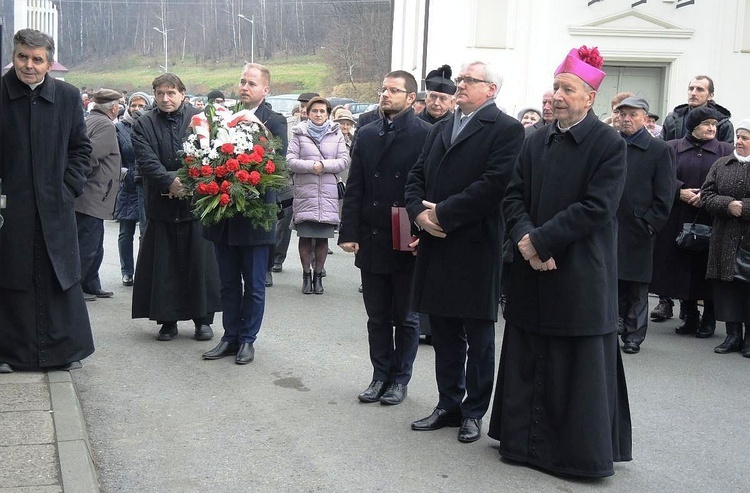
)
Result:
{"points": [[440, 99], [381, 159], [243, 250], [44, 161], [177, 274], [561, 401], [453, 194], [644, 209]]}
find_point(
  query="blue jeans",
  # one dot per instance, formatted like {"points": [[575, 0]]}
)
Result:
{"points": [[125, 246], [242, 311]]}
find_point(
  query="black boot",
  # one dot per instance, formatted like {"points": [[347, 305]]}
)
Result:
{"points": [[663, 310], [708, 320], [318, 283], [733, 342], [307, 283], [692, 318], [746, 347]]}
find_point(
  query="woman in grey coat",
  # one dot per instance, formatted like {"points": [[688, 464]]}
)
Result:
{"points": [[726, 196]]}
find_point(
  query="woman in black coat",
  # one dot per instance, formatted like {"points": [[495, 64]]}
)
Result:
{"points": [[726, 196], [680, 273]]}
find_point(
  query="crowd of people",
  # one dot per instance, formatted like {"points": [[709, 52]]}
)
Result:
{"points": [[530, 210]]}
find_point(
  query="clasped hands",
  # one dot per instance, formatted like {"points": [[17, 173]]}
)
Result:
{"points": [[428, 220], [691, 196], [529, 254]]}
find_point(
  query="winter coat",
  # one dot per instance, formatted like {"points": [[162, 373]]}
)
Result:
{"points": [[238, 230], [381, 161], [44, 162], [316, 196], [564, 194], [458, 276], [674, 123], [130, 196], [157, 136], [727, 180], [680, 273], [645, 205], [100, 192]]}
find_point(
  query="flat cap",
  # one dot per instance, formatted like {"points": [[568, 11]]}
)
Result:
{"points": [[633, 102], [103, 96], [305, 97]]}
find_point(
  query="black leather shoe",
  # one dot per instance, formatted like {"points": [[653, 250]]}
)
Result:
{"points": [[5, 368], [440, 418], [631, 347], [203, 332], [221, 350], [277, 267], [707, 326], [395, 394], [307, 287], [100, 293], [89, 297], [269, 279], [470, 431], [127, 280], [73, 365], [374, 392], [663, 310], [245, 353], [317, 283], [167, 332]]}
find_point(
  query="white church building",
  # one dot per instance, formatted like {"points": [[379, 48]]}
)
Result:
{"points": [[650, 47]]}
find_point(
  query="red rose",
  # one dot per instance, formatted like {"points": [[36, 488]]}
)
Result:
{"points": [[213, 188], [243, 176], [254, 178], [244, 158], [189, 159], [227, 148], [232, 165], [224, 200], [270, 167], [258, 149], [225, 187], [206, 170], [202, 189], [221, 171], [194, 172]]}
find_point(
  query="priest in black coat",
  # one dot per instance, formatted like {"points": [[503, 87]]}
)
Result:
{"points": [[453, 194], [43, 166], [644, 209], [440, 99], [561, 401]]}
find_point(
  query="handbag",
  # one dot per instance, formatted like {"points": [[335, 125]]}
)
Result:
{"points": [[742, 265], [694, 236], [341, 186]]}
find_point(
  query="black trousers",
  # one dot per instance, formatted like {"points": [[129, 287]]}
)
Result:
{"points": [[633, 310], [392, 328], [283, 237], [464, 363], [91, 250]]}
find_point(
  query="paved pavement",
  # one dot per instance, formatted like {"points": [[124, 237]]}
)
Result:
{"points": [[160, 419]]}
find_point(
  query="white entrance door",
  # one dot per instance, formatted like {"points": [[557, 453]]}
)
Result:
{"points": [[646, 82]]}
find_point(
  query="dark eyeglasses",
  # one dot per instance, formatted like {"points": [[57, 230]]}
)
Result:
{"points": [[470, 80]]}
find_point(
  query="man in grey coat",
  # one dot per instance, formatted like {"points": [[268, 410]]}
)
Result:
{"points": [[97, 202]]}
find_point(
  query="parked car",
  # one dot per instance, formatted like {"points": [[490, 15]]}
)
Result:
{"points": [[283, 103], [357, 109], [339, 101]]}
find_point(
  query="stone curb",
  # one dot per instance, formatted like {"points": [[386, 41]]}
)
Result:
{"points": [[76, 463]]}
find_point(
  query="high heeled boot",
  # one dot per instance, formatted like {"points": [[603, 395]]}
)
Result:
{"points": [[746, 347], [708, 321], [307, 287], [318, 283], [733, 342], [692, 317]]}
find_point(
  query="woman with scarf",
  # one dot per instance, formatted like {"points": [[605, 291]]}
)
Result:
{"points": [[681, 273], [317, 154], [726, 196]]}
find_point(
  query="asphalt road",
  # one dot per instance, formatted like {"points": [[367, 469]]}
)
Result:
{"points": [[160, 419]]}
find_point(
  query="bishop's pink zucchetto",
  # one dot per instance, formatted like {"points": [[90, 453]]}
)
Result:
{"points": [[585, 63]]}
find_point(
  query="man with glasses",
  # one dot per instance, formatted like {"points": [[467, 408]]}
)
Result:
{"points": [[453, 194], [440, 99], [381, 160]]}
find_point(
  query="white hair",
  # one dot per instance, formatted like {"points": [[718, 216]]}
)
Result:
{"points": [[489, 74]]}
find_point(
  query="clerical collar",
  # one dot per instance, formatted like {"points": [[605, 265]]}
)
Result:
{"points": [[37, 84], [565, 129]]}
